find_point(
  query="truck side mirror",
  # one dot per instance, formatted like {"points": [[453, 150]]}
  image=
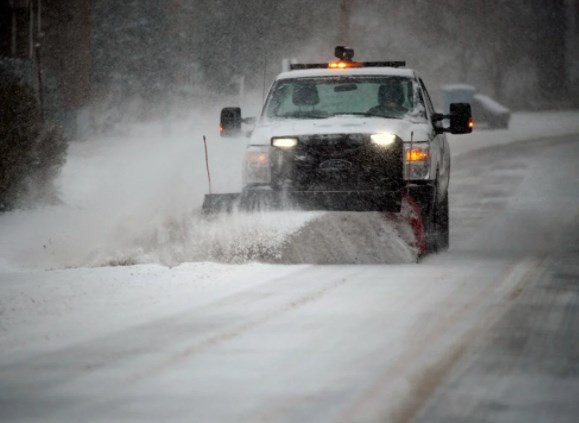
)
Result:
{"points": [[460, 119], [230, 122]]}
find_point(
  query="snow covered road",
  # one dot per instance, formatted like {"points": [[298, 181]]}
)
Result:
{"points": [[262, 342]]}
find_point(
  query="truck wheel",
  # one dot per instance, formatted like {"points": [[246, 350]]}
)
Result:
{"points": [[430, 230], [442, 225], [437, 227]]}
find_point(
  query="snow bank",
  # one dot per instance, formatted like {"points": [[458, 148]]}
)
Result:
{"points": [[490, 104], [351, 238], [272, 237], [117, 190], [522, 126]]}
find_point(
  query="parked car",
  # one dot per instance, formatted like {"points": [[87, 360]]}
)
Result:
{"points": [[484, 109]]}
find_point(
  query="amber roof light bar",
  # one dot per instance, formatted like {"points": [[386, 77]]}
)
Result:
{"points": [[345, 56], [301, 66]]}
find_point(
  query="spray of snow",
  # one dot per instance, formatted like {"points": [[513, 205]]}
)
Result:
{"points": [[134, 197]]}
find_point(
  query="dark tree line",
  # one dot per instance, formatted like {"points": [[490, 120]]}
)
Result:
{"points": [[151, 46], [513, 50], [32, 151], [111, 52]]}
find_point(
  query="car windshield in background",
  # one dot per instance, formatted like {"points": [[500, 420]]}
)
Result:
{"points": [[319, 98]]}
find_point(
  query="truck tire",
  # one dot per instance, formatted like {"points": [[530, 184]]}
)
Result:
{"points": [[436, 226], [442, 225], [430, 230]]}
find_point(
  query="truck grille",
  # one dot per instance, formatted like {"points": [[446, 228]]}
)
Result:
{"points": [[342, 162]]}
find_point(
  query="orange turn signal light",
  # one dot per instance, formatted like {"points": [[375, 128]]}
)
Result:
{"points": [[471, 123], [416, 155], [255, 157]]}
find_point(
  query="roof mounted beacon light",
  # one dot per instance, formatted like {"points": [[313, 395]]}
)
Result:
{"points": [[344, 53], [345, 56]]}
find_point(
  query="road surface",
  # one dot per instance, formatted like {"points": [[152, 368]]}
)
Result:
{"points": [[485, 332]]}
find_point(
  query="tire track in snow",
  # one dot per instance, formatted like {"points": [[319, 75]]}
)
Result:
{"points": [[424, 383], [109, 360]]}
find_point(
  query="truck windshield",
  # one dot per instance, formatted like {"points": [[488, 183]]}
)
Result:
{"points": [[324, 97]]}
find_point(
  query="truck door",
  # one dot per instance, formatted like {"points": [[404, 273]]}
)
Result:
{"points": [[438, 144]]}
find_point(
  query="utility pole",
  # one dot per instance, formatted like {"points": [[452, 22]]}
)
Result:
{"points": [[21, 41], [552, 75], [30, 30], [572, 43], [345, 12], [37, 46], [39, 17], [13, 29]]}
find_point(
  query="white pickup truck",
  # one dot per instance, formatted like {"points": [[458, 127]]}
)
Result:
{"points": [[348, 135]]}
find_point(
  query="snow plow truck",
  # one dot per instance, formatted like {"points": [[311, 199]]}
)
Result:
{"points": [[347, 136]]}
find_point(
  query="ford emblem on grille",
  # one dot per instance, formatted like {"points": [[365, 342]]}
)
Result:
{"points": [[335, 165]]}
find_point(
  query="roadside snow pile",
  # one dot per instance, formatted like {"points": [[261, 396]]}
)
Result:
{"points": [[228, 238], [491, 104], [351, 238], [59, 240], [523, 126]]}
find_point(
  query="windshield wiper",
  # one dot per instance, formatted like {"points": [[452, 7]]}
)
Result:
{"points": [[365, 114], [304, 115]]}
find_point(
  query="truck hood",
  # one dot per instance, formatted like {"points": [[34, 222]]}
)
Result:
{"points": [[403, 128]]}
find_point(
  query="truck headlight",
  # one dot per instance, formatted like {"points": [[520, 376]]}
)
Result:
{"points": [[284, 142], [417, 161], [257, 169], [383, 139]]}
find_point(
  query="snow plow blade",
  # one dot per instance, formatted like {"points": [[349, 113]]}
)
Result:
{"points": [[356, 201], [219, 203], [251, 201]]}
